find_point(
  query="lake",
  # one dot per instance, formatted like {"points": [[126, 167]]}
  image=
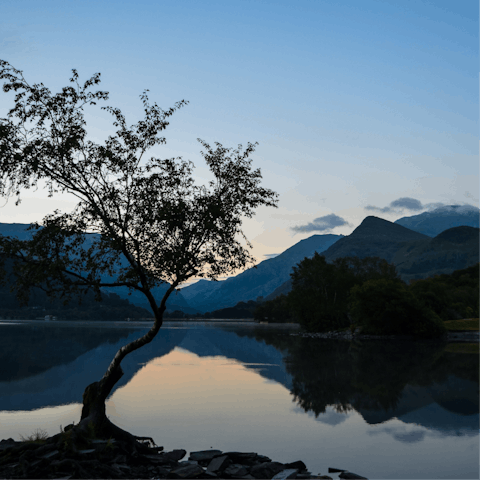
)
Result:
{"points": [[382, 409]]}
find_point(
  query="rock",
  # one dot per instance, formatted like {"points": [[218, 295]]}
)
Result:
{"points": [[86, 451], [299, 465], [52, 454], [350, 475], [174, 455], [243, 458], [8, 440], [262, 459], [208, 474], [204, 455], [218, 464], [158, 459], [100, 441], [235, 470], [287, 473], [187, 471], [335, 470], [308, 475], [266, 470]]}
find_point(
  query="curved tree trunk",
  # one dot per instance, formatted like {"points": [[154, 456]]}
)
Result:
{"points": [[95, 395]]}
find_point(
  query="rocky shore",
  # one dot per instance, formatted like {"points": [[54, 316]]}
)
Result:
{"points": [[56, 457], [460, 336]]}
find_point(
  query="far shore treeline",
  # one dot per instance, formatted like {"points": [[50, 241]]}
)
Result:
{"points": [[344, 294], [367, 293]]}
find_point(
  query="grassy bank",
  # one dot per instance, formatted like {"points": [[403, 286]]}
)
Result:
{"points": [[466, 324]]}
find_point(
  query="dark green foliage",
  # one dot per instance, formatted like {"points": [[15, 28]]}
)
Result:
{"points": [[389, 307], [111, 307], [320, 290], [240, 310], [276, 310], [451, 297]]}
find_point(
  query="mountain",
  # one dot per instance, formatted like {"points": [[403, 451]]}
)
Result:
{"points": [[260, 281], [175, 302], [441, 219], [415, 255], [453, 249], [374, 237]]}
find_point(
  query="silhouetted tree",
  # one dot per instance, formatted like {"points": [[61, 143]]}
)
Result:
{"points": [[148, 212], [388, 307], [319, 298]]}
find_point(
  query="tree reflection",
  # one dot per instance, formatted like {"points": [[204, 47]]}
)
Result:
{"points": [[371, 375]]}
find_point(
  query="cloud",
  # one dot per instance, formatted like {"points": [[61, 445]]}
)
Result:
{"points": [[403, 203], [407, 203], [321, 224]]}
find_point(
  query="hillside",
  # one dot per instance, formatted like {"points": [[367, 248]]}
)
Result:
{"points": [[254, 282], [176, 301], [415, 255], [374, 237], [441, 219], [451, 250]]}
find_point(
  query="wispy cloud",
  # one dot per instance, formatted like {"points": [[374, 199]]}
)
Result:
{"points": [[404, 203], [321, 224]]}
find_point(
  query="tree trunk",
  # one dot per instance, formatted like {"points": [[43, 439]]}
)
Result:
{"points": [[94, 419]]}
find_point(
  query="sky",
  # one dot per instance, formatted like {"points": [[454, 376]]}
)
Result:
{"points": [[359, 107]]}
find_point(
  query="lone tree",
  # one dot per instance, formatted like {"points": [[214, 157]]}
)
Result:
{"points": [[154, 224]]}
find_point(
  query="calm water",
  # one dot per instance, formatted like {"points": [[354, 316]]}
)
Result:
{"points": [[383, 410]]}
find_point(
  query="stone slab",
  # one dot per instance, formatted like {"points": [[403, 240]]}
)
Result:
{"points": [[284, 474]]}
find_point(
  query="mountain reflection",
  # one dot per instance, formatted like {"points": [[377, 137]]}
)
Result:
{"points": [[417, 382], [383, 380]]}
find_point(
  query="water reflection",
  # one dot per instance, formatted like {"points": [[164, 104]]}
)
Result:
{"points": [[417, 382], [420, 383]]}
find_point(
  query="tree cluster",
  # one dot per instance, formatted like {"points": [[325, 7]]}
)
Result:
{"points": [[352, 292]]}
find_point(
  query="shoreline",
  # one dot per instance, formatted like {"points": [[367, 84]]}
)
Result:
{"points": [[453, 336], [458, 336], [58, 457]]}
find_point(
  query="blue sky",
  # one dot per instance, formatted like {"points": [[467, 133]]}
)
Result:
{"points": [[354, 104]]}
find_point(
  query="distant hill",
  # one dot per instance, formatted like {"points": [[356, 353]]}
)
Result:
{"points": [[175, 302], [374, 237], [453, 249], [441, 219], [254, 282], [415, 255]]}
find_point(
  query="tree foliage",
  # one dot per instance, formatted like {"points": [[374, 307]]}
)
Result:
{"points": [[389, 307], [451, 297], [320, 291], [155, 225], [276, 310]]}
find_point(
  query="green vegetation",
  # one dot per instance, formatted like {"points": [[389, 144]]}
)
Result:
{"points": [[110, 307], [38, 436], [388, 307], [451, 297], [276, 310], [462, 325], [320, 290], [352, 292]]}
